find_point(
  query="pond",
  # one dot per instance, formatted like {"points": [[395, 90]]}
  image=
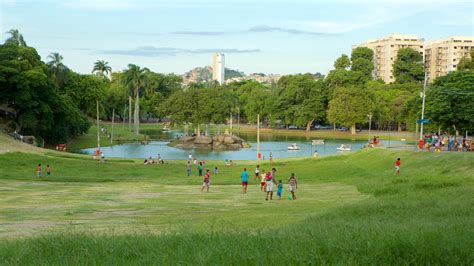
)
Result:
{"points": [[276, 144]]}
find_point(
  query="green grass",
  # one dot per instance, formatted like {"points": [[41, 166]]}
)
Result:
{"points": [[121, 134], [351, 209]]}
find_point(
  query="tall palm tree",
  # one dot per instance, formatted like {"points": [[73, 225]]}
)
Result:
{"points": [[135, 78], [102, 68], [57, 68], [16, 38]]}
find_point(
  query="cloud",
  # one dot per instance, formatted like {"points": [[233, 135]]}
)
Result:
{"points": [[266, 28], [203, 33], [256, 29], [151, 51], [98, 4]]}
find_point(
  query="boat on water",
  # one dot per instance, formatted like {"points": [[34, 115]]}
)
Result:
{"points": [[344, 147], [293, 147], [318, 142], [166, 129]]}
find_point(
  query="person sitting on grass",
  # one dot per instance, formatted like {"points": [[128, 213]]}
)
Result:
{"points": [[38, 170], [216, 170], [206, 182], [270, 181], [293, 185], [245, 180], [279, 189]]}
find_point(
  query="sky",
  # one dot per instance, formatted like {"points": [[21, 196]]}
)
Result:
{"points": [[269, 36]]}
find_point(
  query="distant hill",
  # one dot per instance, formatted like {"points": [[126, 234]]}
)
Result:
{"points": [[204, 74]]}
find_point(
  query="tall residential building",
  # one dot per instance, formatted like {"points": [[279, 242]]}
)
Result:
{"points": [[385, 53], [442, 56], [218, 67]]}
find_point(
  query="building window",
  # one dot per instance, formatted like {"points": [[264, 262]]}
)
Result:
{"points": [[455, 47], [454, 66], [454, 60], [392, 45]]}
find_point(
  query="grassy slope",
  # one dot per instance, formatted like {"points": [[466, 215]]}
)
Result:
{"points": [[352, 209]]}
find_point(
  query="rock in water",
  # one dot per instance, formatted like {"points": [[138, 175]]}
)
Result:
{"points": [[203, 140]]}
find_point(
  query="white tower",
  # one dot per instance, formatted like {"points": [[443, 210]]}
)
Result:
{"points": [[218, 67]]}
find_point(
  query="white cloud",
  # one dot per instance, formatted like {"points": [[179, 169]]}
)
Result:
{"points": [[99, 4]]}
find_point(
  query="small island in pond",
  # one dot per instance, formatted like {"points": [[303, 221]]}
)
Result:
{"points": [[218, 142]]}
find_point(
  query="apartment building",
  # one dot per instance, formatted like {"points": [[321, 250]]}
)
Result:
{"points": [[385, 53], [443, 55], [218, 67]]}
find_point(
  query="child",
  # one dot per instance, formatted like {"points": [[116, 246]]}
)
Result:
{"points": [[206, 182], [200, 169], [216, 170], [257, 173], [293, 185], [279, 189], [262, 180], [38, 170], [188, 168], [270, 178], [48, 170], [397, 166]]}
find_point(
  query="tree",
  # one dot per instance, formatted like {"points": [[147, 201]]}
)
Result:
{"points": [[343, 62], [350, 106], [449, 101], [135, 78], [16, 38], [26, 87], [58, 69], [85, 91], [301, 100], [361, 58], [467, 62], [408, 67], [102, 68], [362, 52]]}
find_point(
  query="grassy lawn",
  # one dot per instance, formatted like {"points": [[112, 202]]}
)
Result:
{"points": [[121, 134], [351, 209]]}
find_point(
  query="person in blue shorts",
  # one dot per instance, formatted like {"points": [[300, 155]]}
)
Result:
{"points": [[245, 180], [279, 189]]}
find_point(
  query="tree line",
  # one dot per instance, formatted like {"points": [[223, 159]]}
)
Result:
{"points": [[55, 103]]}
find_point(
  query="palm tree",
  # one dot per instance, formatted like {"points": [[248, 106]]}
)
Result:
{"points": [[102, 68], [58, 69], [16, 38], [135, 78]]}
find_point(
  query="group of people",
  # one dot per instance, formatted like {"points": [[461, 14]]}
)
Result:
{"points": [[150, 160], [99, 154], [39, 171], [437, 142], [267, 181]]}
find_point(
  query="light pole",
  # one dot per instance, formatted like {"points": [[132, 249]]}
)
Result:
{"points": [[423, 107], [370, 124]]}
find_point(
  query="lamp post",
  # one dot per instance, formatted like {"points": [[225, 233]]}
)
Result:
{"points": [[423, 106], [370, 124]]}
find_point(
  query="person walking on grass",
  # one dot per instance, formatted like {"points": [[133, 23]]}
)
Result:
{"points": [[293, 185], [397, 166], [38, 170], [279, 189], [48, 171], [206, 182], [200, 169], [257, 173], [188, 168], [270, 182], [244, 176], [263, 180], [270, 156]]}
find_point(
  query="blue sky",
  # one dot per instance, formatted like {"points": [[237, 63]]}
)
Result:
{"points": [[279, 36]]}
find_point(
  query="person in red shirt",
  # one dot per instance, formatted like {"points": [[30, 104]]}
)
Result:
{"points": [[206, 182], [397, 166]]}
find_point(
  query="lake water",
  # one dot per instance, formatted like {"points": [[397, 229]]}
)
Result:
{"points": [[276, 144]]}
